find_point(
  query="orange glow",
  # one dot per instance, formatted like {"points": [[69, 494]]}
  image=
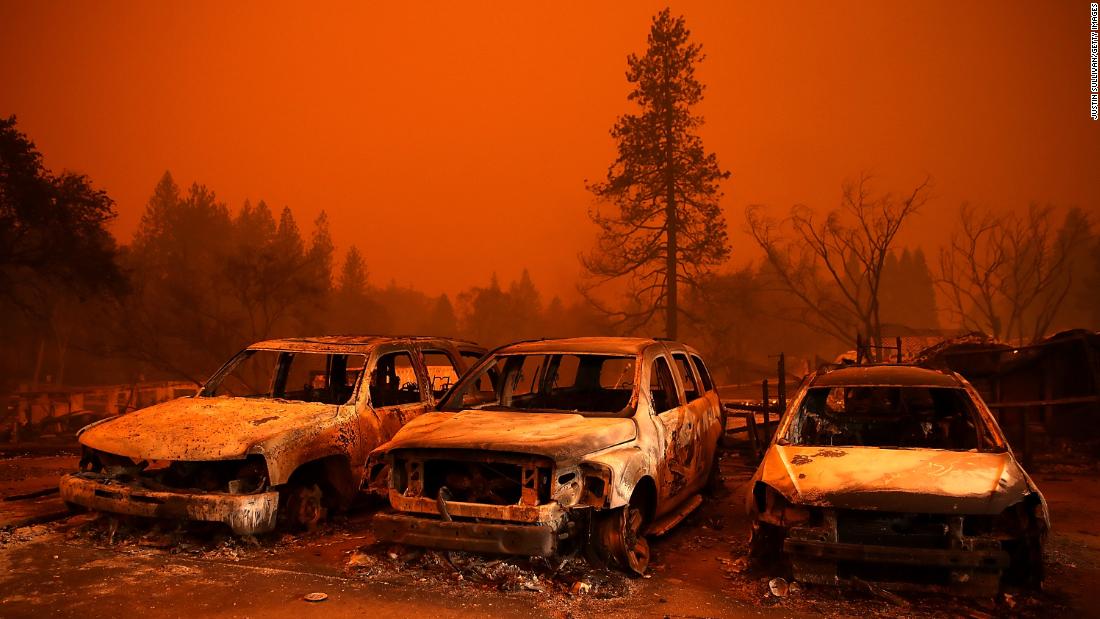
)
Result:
{"points": [[450, 140]]}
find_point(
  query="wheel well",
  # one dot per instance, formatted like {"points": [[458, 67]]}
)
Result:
{"points": [[644, 497], [333, 474]]}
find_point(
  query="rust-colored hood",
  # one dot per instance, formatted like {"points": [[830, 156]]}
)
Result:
{"points": [[202, 428], [911, 480], [561, 436]]}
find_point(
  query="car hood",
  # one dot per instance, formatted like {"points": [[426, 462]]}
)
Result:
{"points": [[561, 436], [197, 429], [909, 480]]}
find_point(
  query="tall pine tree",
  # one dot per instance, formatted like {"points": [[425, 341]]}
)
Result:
{"points": [[669, 229]]}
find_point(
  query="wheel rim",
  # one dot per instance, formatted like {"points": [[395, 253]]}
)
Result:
{"points": [[305, 506], [618, 539], [634, 545]]}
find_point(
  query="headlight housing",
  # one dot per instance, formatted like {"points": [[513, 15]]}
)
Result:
{"points": [[595, 480], [773, 508]]}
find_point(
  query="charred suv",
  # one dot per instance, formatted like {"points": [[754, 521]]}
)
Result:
{"points": [[282, 431], [558, 444], [900, 476]]}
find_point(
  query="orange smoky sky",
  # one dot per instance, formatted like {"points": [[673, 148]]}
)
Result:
{"points": [[452, 140]]}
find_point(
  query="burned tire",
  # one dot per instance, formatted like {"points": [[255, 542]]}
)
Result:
{"points": [[617, 540], [75, 508], [766, 547], [1026, 567], [303, 507]]}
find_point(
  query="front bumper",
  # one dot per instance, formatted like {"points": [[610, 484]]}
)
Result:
{"points": [[531, 540], [931, 557], [974, 566], [527, 530], [245, 514]]}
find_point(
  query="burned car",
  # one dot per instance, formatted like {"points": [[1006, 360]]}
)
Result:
{"points": [[898, 476], [281, 432], [553, 446]]}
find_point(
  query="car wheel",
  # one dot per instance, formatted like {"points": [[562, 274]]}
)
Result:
{"points": [[617, 538], [75, 508], [1026, 565], [766, 545], [304, 507]]}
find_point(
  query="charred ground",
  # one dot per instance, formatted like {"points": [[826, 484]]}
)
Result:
{"points": [[88, 565]]}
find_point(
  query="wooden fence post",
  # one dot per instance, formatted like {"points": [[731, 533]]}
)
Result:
{"points": [[764, 398], [781, 388]]}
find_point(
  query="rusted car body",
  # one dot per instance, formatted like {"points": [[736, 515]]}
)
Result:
{"points": [[898, 476], [555, 444], [285, 427]]}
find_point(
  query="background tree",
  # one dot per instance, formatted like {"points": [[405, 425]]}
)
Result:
{"points": [[1081, 307], [834, 266], [442, 320], [1008, 275], [55, 254], [206, 283], [908, 294], [486, 313], [353, 274], [180, 318], [668, 228]]}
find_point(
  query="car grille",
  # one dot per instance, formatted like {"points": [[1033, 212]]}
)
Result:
{"points": [[491, 479], [893, 529]]}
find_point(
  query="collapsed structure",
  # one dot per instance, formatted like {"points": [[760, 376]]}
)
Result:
{"points": [[1043, 394]]}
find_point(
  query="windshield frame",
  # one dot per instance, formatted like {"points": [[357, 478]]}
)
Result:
{"points": [[229, 366], [978, 408], [489, 361]]}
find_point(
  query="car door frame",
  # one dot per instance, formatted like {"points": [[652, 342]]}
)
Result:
{"points": [[389, 419], [703, 419], [718, 412], [669, 423], [453, 353]]}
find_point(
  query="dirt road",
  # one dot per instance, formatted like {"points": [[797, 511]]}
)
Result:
{"points": [[89, 566]]}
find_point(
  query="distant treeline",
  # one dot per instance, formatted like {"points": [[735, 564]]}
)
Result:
{"points": [[199, 281]]}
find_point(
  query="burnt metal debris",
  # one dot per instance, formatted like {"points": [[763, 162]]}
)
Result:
{"points": [[881, 476], [282, 430], [553, 446], [898, 476]]}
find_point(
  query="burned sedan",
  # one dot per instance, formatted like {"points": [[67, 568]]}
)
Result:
{"points": [[282, 431], [557, 445], [899, 476]]}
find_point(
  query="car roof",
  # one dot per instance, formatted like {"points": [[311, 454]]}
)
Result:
{"points": [[352, 343], [592, 345], [885, 375]]}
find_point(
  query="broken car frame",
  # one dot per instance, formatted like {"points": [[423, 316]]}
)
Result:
{"points": [[285, 427], [551, 446], [896, 475]]}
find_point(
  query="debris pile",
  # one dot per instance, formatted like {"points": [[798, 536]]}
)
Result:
{"points": [[571, 576]]}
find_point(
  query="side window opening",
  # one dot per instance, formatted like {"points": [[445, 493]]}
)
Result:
{"points": [[442, 371], [662, 387], [687, 376], [393, 381], [704, 376]]}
